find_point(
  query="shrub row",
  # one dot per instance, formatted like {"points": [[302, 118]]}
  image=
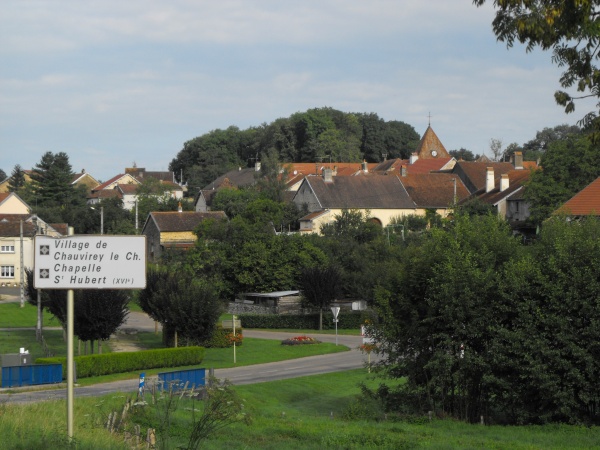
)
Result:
{"points": [[350, 320], [96, 365], [222, 338]]}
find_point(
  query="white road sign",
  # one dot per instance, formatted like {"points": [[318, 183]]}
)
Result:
{"points": [[90, 262]]}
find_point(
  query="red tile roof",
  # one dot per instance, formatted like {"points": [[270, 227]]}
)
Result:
{"points": [[106, 193], [434, 190], [584, 203], [427, 165], [474, 174]]}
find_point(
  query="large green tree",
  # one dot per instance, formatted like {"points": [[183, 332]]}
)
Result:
{"points": [[320, 285], [187, 306], [98, 313], [568, 165], [318, 134], [436, 318], [570, 30], [51, 178], [16, 183], [546, 346]]}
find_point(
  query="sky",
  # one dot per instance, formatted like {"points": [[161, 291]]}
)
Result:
{"points": [[116, 83]]}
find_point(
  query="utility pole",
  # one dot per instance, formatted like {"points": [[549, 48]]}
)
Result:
{"points": [[22, 269]]}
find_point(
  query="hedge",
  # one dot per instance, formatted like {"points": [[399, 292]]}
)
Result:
{"points": [[221, 338], [109, 363], [349, 320]]}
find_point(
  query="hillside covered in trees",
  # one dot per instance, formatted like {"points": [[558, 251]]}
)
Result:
{"points": [[319, 134]]}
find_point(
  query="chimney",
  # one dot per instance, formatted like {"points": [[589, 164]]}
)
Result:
{"points": [[489, 179], [413, 158], [518, 160], [504, 183], [257, 166], [365, 168], [403, 171], [328, 175]]}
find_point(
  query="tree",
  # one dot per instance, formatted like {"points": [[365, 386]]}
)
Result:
{"points": [[352, 224], [51, 178], [209, 156], [569, 29], [271, 178], [545, 352], [153, 196], [496, 148], [17, 179], [98, 313], [536, 147], [2, 174], [568, 166], [320, 286], [187, 307], [439, 305], [462, 154]]}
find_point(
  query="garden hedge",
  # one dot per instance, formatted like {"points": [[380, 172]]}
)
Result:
{"points": [[105, 364], [350, 320]]}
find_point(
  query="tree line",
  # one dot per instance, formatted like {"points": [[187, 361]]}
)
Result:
{"points": [[318, 134]]}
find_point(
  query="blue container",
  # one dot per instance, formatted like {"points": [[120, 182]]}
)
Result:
{"points": [[36, 374], [177, 380]]}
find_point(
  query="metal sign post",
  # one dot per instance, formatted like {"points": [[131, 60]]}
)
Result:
{"points": [[70, 361], [86, 262], [335, 310], [233, 326], [233, 323]]}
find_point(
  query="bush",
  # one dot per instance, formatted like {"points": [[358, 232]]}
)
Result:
{"points": [[96, 365], [349, 320], [223, 338]]}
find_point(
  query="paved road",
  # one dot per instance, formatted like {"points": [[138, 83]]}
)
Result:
{"points": [[312, 365]]}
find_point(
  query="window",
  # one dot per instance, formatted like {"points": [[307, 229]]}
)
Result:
{"points": [[7, 248], [7, 271]]}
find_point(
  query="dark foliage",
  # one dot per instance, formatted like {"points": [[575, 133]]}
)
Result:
{"points": [[319, 134]]}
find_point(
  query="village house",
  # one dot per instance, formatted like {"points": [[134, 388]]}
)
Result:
{"points": [[18, 228], [173, 230]]}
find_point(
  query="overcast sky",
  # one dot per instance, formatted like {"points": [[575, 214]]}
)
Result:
{"points": [[116, 82]]}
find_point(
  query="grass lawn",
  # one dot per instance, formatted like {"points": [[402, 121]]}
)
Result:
{"points": [[13, 316], [253, 351], [288, 414]]}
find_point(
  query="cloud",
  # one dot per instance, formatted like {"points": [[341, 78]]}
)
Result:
{"points": [[113, 81]]}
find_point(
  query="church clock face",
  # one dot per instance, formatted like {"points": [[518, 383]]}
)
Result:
{"points": [[434, 153]]}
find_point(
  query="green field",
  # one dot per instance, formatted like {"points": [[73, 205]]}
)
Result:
{"points": [[317, 412]]}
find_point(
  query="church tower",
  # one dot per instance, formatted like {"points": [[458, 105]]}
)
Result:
{"points": [[431, 147]]}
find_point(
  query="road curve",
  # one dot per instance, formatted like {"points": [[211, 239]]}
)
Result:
{"points": [[258, 373]]}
